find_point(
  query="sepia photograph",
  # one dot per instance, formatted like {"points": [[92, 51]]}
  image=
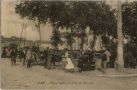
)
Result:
{"points": [[68, 44]]}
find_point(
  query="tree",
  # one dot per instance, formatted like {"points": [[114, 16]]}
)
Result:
{"points": [[56, 10], [21, 35], [80, 10], [56, 38], [69, 39], [129, 19], [33, 10], [74, 15], [101, 20], [120, 58], [96, 15]]}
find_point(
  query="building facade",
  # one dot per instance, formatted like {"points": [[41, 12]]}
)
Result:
{"points": [[77, 41]]}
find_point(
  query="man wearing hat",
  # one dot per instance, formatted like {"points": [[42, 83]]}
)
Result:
{"points": [[29, 58], [46, 54], [105, 59], [49, 65], [13, 56]]}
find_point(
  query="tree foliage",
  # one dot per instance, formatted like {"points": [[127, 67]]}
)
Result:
{"points": [[129, 11], [74, 15], [33, 10], [56, 38]]}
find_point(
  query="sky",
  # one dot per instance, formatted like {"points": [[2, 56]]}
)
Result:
{"points": [[11, 23]]}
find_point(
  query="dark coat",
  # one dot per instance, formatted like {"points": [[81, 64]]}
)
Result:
{"points": [[104, 57], [13, 53]]}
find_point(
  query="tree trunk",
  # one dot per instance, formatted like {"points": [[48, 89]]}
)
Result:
{"points": [[82, 39], [120, 59], [71, 44], [100, 43], [82, 44], [21, 35], [55, 29], [93, 41], [39, 31], [25, 39], [71, 48]]}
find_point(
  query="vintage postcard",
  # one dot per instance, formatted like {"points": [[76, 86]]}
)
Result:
{"points": [[68, 44]]}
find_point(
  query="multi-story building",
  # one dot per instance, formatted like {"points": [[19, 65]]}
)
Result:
{"points": [[77, 41]]}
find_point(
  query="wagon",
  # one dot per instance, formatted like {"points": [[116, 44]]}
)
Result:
{"points": [[86, 63]]}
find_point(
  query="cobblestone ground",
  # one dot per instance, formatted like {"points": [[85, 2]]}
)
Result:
{"points": [[20, 77]]}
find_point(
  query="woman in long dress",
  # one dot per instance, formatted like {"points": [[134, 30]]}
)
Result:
{"points": [[69, 66]]}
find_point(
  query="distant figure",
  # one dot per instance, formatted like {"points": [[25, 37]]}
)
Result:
{"points": [[29, 58], [130, 60], [18, 54], [8, 52], [46, 55], [13, 56], [80, 62], [24, 52], [22, 56], [66, 54], [3, 53], [34, 56], [54, 58], [49, 65], [105, 60]]}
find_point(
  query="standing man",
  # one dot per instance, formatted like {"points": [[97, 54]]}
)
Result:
{"points": [[3, 53], [13, 56], [54, 58], [29, 58], [49, 65], [46, 55], [105, 60], [80, 62], [24, 57], [21, 54]]}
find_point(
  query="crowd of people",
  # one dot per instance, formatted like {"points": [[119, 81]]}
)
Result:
{"points": [[85, 59]]}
